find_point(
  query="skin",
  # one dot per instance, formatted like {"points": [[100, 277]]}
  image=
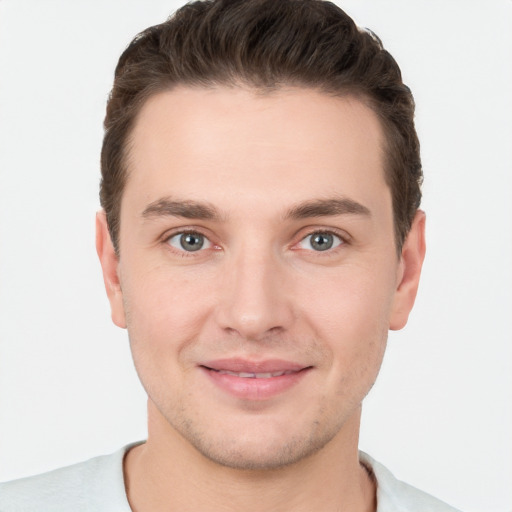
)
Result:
{"points": [[263, 172]]}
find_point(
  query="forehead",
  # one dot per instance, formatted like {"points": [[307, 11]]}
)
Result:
{"points": [[235, 146]]}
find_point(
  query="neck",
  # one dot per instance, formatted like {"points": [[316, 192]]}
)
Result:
{"points": [[168, 473]]}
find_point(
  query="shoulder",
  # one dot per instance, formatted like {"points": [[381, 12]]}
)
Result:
{"points": [[396, 496], [94, 485]]}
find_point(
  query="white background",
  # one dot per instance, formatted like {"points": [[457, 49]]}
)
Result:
{"points": [[440, 417]]}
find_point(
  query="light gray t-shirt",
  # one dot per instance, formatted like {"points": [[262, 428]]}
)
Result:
{"points": [[97, 485]]}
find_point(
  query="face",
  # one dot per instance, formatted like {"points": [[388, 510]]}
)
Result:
{"points": [[258, 274]]}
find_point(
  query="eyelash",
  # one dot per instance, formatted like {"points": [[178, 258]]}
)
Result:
{"points": [[329, 252], [343, 238], [182, 252]]}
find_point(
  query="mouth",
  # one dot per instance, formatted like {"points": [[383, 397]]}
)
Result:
{"points": [[254, 380], [250, 375]]}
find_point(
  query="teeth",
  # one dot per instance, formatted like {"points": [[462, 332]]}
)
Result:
{"points": [[247, 375]]}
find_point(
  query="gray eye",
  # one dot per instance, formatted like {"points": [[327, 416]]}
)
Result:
{"points": [[189, 242], [320, 241]]}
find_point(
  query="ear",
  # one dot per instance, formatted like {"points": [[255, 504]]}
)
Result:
{"points": [[110, 266], [411, 261]]}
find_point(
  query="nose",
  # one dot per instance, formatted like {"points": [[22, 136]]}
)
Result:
{"points": [[255, 297]]}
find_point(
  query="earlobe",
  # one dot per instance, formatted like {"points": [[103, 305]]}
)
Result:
{"points": [[413, 254], [110, 267]]}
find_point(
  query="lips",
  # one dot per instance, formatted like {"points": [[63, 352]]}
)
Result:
{"points": [[239, 365], [254, 380], [259, 375]]}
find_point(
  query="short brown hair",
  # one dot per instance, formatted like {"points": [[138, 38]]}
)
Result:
{"points": [[264, 44]]}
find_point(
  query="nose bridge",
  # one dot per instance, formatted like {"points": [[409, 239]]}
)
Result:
{"points": [[254, 300]]}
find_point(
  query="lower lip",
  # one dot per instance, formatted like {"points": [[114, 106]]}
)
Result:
{"points": [[253, 388]]}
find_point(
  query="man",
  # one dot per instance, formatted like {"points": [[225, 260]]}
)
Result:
{"points": [[260, 234]]}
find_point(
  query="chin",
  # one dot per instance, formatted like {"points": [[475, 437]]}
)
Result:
{"points": [[257, 458], [259, 449]]}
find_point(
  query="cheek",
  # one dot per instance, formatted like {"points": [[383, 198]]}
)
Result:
{"points": [[349, 300], [163, 317], [164, 309], [350, 313]]}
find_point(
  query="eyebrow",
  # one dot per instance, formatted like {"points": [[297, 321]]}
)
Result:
{"points": [[166, 207], [327, 207], [188, 209]]}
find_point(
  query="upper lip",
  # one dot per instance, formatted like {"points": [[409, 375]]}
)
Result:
{"points": [[239, 365]]}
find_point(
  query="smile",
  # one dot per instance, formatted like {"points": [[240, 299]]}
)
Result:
{"points": [[248, 375], [254, 380]]}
